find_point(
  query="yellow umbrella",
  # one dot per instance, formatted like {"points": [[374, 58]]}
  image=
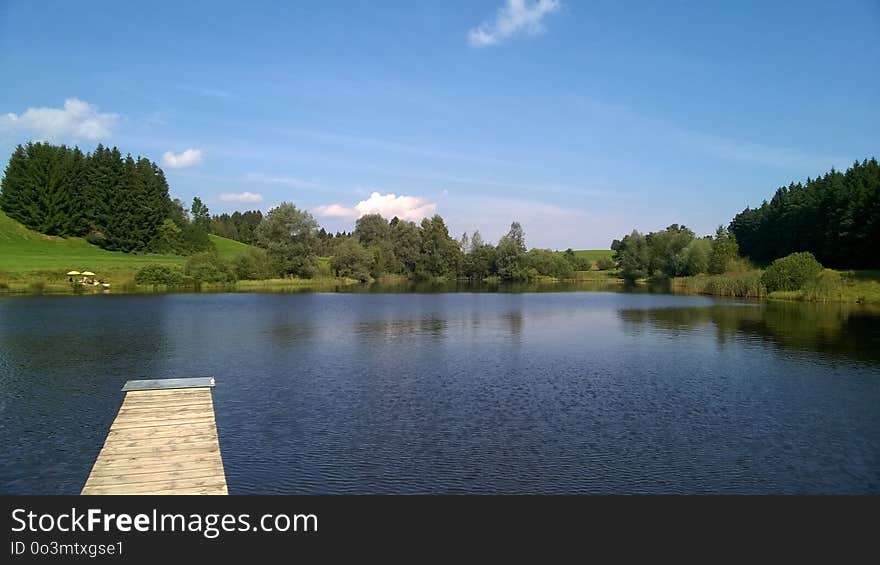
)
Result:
{"points": [[88, 273], [74, 273]]}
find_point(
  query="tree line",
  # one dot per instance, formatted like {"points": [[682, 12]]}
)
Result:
{"points": [[240, 226], [120, 203], [836, 217], [289, 242], [293, 241], [674, 252], [427, 250]]}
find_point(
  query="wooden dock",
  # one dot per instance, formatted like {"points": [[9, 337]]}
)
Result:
{"points": [[163, 441]]}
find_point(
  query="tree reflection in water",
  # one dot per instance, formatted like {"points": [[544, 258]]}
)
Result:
{"points": [[831, 330]]}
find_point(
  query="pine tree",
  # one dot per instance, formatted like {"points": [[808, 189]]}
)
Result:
{"points": [[201, 216], [49, 175], [14, 189], [76, 186]]}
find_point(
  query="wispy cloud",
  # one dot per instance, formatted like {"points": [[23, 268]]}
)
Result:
{"points": [[241, 197], [412, 208], [183, 160], [154, 120], [513, 18], [280, 180], [77, 120]]}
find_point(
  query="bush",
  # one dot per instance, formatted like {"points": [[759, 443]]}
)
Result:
{"points": [[254, 265], [159, 275], [791, 272], [324, 270], [352, 260], [549, 264], [209, 267], [605, 264], [577, 262]]}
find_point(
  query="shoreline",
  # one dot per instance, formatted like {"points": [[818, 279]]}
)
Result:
{"points": [[22, 287], [399, 285]]}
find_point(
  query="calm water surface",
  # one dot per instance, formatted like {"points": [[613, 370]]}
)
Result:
{"points": [[569, 392]]}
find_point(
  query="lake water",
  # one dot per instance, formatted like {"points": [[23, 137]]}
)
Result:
{"points": [[562, 392]]}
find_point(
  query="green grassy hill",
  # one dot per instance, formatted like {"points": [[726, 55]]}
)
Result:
{"points": [[28, 255], [228, 247], [593, 254]]}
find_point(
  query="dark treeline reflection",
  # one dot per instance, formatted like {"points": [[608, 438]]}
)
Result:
{"points": [[830, 330], [431, 287]]}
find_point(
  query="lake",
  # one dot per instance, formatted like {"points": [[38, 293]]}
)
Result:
{"points": [[462, 392]]}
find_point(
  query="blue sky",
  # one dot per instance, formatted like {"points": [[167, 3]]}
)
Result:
{"points": [[582, 120]]}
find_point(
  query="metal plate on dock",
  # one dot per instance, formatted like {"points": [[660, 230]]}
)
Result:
{"points": [[164, 384]]}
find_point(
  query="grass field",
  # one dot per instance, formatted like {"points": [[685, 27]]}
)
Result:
{"points": [[593, 254], [27, 256]]}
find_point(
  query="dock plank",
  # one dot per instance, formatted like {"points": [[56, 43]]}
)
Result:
{"points": [[162, 441]]}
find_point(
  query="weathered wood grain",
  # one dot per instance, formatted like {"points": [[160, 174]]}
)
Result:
{"points": [[162, 442]]}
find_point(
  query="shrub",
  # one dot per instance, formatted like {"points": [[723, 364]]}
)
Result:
{"points": [[791, 272], [549, 264], [209, 267], [159, 275], [324, 269], [352, 260], [255, 264], [578, 262], [605, 264]]}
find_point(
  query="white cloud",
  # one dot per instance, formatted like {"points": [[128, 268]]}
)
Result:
{"points": [[336, 211], [412, 208], [183, 160], [241, 197], [77, 120], [515, 16]]}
